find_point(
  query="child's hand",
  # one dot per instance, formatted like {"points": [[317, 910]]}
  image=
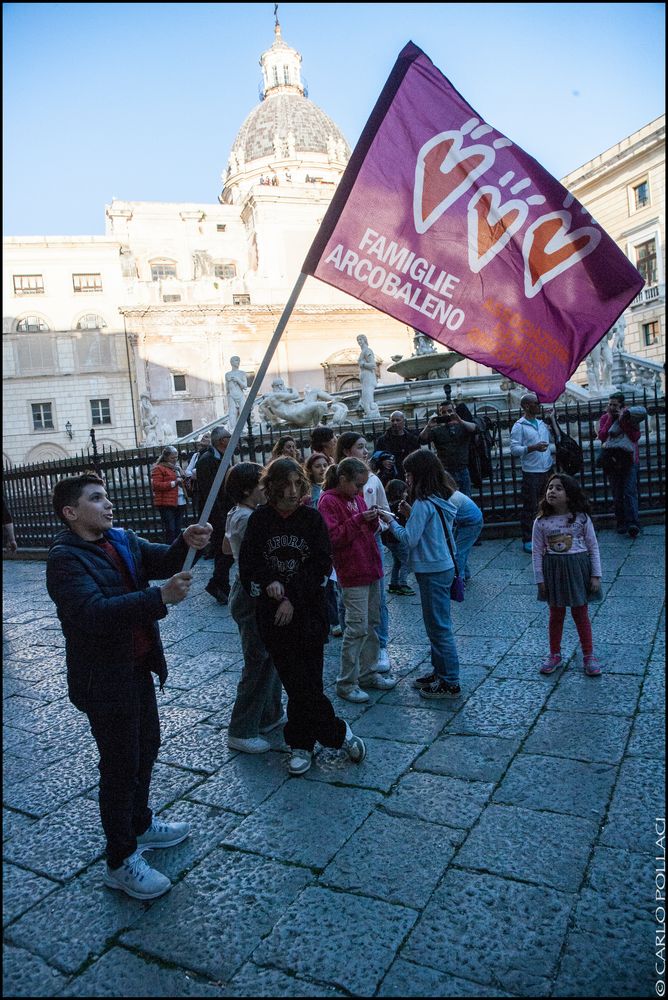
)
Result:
{"points": [[542, 593], [371, 514], [405, 508], [177, 587], [285, 612], [385, 516], [275, 590], [595, 584]]}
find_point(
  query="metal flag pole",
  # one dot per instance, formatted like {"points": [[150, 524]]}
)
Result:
{"points": [[246, 410]]}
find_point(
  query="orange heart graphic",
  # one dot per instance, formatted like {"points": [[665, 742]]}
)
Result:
{"points": [[550, 249], [491, 225], [437, 186], [443, 172]]}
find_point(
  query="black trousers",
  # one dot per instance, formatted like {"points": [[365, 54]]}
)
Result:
{"points": [[533, 488], [311, 716], [222, 564], [128, 739]]}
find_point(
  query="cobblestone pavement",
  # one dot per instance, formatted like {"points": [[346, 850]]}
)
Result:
{"points": [[499, 845]]}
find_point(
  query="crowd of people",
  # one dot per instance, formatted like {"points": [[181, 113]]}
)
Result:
{"points": [[308, 539]]}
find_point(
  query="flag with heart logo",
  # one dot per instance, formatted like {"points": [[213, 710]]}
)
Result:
{"points": [[445, 224]]}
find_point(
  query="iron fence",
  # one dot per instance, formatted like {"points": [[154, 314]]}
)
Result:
{"points": [[28, 489]]}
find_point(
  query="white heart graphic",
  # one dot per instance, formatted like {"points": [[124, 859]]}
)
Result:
{"points": [[495, 214], [560, 241], [454, 157]]}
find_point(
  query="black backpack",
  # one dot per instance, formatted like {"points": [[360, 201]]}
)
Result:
{"points": [[480, 451], [569, 455]]}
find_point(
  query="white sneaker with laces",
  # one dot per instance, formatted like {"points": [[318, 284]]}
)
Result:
{"points": [[161, 834], [253, 744], [353, 694], [355, 748], [136, 878], [300, 761], [379, 682]]}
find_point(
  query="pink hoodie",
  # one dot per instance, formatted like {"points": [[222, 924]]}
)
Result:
{"points": [[354, 549]]}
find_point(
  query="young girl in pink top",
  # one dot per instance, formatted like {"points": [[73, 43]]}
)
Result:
{"points": [[567, 566], [359, 570]]}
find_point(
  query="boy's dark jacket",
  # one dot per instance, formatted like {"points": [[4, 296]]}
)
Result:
{"points": [[98, 614]]}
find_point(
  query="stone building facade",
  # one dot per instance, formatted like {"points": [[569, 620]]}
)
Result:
{"points": [[99, 331]]}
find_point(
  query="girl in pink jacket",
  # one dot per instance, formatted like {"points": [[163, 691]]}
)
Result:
{"points": [[359, 570]]}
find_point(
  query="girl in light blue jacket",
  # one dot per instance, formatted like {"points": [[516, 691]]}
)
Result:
{"points": [[430, 515]]}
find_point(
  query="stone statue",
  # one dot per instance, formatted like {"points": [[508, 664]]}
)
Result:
{"points": [[618, 332], [236, 383], [368, 381], [202, 264], [285, 407], [422, 344], [154, 432], [599, 366]]}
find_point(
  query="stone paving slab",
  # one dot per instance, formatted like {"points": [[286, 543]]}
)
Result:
{"points": [[276, 828], [383, 766], [393, 858], [439, 799], [562, 786], [27, 975], [253, 980], [219, 913], [596, 738], [528, 845], [470, 919], [315, 932], [478, 758], [122, 973], [639, 798], [407, 979], [500, 707]]}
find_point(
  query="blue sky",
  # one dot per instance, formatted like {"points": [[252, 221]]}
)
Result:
{"points": [[143, 101]]}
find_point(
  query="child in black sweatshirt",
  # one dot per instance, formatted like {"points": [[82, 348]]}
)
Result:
{"points": [[285, 562]]}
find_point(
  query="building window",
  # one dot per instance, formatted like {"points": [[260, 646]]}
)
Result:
{"points": [[31, 324], [34, 354], [91, 321], [220, 227], [286, 74], [87, 282], [274, 73], [28, 284], [42, 417], [163, 269], [183, 427], [641, 194], [646, 261], [225, 270], [179, 383], [241, 300], [100, 412], [650, 333], [95, 351]]}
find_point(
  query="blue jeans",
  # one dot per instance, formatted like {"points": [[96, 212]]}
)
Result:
{"points": [[463, 480], [399, 577], [383, 629], [435, 599], [465, 536], [625, 499], [171, 518]]}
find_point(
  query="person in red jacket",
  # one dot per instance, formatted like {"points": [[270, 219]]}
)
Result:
{"points": [[169, 495], [620, 437], [359, 571]]}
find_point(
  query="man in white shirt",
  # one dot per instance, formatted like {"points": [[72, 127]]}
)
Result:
{"points": [[530, 442]]}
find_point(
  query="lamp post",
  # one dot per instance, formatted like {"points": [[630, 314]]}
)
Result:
{"points": [[68, 430]]}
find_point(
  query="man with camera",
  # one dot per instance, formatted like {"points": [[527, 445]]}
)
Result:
{"points": [[530, 442], [451, 435]]}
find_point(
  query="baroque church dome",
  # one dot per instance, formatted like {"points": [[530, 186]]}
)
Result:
{"points": [[286, 137]]}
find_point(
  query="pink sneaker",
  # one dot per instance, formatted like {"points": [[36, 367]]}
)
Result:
{"points": [[550, 663], [592, 667]]}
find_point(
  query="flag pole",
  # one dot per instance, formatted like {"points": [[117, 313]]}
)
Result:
{"points": [[246, 410]]}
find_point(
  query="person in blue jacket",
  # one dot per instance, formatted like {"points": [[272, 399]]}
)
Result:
{"points": [[98, 577]]}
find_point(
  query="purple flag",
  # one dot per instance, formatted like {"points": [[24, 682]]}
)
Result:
{"points": [[445, 224]]}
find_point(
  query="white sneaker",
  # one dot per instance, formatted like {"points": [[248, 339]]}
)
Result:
{"points": [[300, 762], [355, 748], [161, 834], [279, 722], [383, 664], [136, 878], [254, 744], [378, 682], [353, 694]]}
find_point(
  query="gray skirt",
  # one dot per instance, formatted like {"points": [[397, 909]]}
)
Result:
{"points": [[567, 579]]}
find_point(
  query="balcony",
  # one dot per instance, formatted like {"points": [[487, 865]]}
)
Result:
{"points": [[650, 295]]}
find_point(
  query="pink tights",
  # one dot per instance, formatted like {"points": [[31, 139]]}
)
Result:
{"points": [[582, 624]]}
